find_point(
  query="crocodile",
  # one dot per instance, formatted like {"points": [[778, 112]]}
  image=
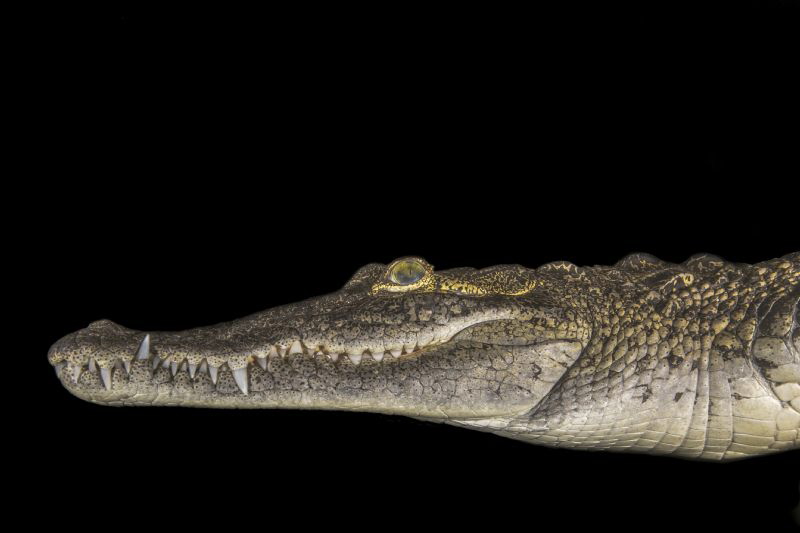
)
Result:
{"points": [[697, 360]]}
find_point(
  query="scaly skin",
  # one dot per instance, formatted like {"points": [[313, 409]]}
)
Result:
{"points": [[697, 360]]}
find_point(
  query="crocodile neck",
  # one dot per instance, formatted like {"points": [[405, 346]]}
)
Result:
{"points": [[702, 370]]}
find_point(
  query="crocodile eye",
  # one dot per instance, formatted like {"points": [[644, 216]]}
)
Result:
{"points": [[406, 272]]}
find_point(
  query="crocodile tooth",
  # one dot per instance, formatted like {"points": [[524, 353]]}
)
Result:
{"points": [[262, 362], [126, 364], [105, 376], [334, 356], [377, 356], [282, 350], [76, 373], [203, 367], [173, 367], [59, 366], [192, 369], [212, 371], [240, 377], [396, 352], [296, 348], [319, 352], [92, 365], [355, 358], [156, 362], [272, 351], [144, 348]]}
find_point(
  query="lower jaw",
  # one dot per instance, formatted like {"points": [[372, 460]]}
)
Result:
{"points": [[145, 387]]}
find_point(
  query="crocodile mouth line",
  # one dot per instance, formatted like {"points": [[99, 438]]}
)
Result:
{"points": [[196, 365]]}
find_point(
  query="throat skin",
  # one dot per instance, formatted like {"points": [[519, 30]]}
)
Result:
{"points": [[698, 360]]}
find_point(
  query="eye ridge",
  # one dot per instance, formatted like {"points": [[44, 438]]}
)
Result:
{"points": [[407, 272]]}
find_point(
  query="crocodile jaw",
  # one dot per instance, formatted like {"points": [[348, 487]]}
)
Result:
{"points": [[441, 373]]}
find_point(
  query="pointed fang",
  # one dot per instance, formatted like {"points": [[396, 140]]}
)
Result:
{"points": [[240, 376], [105, 375], [212, 371], [262, 362], [296, 348], [144, 348], [76, 373], [192, 369]]}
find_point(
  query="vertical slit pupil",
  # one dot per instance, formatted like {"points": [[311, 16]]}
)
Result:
{"points": [[407, 272]]}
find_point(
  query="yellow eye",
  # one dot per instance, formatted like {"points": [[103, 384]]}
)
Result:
{"points": [[406, 272]]}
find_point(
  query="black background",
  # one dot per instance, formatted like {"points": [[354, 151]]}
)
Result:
{"points": [[196, 166]]}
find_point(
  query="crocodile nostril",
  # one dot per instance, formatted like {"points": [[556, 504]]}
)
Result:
{"points": [[104, 325]]}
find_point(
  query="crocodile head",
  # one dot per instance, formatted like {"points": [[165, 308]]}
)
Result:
{"points": [[402, 339]]}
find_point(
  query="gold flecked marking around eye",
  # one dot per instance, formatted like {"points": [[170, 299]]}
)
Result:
{"points": [[462, 287], [516, 282]]}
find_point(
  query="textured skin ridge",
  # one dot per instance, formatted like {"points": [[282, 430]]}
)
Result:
{"points": [[698, 360], [701, 342]]}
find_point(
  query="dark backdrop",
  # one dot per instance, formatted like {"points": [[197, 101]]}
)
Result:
{"points": [[197, 166]]}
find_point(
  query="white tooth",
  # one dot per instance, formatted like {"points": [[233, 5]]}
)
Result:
{"points": [[92, 366], [378, 357], [240, 376], [272, 352], [282, 350], [76, 373], [203, 367], [192, 369], [59, 366], [212, 371], [144, 348], [319, 352], [396, 352], [126, 364], [156, 362], [262, 362], [296, 348], [334, 356], [355, 358], [105, 376], [173, 367]]}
